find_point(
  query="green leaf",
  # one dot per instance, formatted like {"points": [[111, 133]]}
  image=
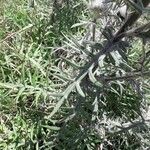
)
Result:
{"points": [[20, 93], [36, 64]]}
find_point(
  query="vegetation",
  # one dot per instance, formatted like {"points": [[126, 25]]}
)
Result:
{"points": [[69, 81]]}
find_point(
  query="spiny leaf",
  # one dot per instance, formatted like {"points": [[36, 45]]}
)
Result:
{"points": [[91, 76], [55, 128], [62, 77], [116, 56], [71, 63], [79, 24], [95, 110], [79, 89], [61, 101], [101, 60]]}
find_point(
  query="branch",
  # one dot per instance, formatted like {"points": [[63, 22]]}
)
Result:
{"points": [[128, 126], [125, 77], [139, 31], [131, 19]]}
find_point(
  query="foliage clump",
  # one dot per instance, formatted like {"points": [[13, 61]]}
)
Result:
{"points": [[69, 80]]}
